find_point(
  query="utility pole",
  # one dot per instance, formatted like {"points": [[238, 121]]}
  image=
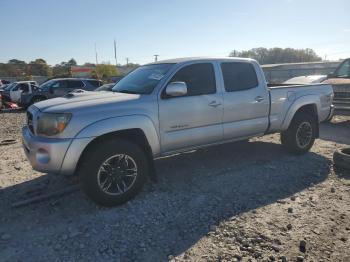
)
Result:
{"points": [[115, 53], [127, 61], [156, 58], [96, 55]]}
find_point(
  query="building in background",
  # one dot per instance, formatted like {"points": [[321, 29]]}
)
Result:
{"points": [[83, 71], [278, 73]]}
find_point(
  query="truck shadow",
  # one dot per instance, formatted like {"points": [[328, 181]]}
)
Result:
{"points": [[196, 191]]}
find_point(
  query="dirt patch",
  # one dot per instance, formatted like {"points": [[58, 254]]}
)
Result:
{"points": [[240, 201]]}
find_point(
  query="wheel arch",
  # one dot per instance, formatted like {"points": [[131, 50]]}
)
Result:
{"points": [[131, 124], [135, 135], [136, 128], [307, 104]]}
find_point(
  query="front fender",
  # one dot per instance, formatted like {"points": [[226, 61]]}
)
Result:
{"points": [[120, 123], [297, 104]]}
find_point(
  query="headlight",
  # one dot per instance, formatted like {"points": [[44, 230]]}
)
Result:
{"points": [[50, 124]]}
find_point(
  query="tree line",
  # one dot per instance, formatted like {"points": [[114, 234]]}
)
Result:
{"points": [[278, 55], [39, 67]]}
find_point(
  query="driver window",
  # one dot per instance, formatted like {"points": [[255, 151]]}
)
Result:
{"points": [[344, 70], [199, 78]]}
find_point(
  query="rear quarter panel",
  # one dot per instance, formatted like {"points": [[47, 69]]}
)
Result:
{"points": [[286, 101]]}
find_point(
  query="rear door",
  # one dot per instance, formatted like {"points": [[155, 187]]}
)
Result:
{"points": [[246, 100], [196, 118]]}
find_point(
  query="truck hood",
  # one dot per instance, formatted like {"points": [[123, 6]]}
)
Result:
{"points": [[77, 101]]}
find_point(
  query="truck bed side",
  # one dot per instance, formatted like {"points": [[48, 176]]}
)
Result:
{"points": [[287, 100]]}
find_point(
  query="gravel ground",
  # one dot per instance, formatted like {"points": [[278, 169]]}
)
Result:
{"points": [[235, 202]]}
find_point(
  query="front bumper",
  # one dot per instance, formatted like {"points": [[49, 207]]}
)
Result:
{"points": [[53, 155], [44, 154]]}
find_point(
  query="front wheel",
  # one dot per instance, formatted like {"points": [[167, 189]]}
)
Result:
{"points": [[301, 134], [113, 172]]}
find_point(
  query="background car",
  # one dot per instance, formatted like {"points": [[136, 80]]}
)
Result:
{"points": [[56, 88], [340, 81], [12, 92]]}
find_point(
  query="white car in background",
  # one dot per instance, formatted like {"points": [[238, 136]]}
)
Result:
{"points": [[12, 92], [304, 80]]}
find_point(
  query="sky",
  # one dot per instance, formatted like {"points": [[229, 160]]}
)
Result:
{"points": [[59, 30]]}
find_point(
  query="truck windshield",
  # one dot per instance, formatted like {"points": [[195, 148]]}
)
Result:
{"points": [[10, 86], [142, 80]]}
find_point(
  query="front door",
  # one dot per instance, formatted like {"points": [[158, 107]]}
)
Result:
{"points": [[196, 118]]}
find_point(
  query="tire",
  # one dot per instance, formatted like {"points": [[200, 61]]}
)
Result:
{"points": [[341, 158], [105, 187], [300, 135]]}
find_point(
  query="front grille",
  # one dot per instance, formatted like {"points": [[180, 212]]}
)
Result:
{"points": [[341, 95], [30, 122]]}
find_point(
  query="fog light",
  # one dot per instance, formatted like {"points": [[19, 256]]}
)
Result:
{"points": [[42, 156]]}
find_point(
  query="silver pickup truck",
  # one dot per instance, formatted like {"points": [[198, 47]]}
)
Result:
{"points": [[110, 139]]}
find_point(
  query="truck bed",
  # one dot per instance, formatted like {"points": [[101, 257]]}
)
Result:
{"points": [[284, 96], [341, 95]]}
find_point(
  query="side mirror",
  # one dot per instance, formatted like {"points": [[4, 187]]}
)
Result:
{"points": [[176, 89]]}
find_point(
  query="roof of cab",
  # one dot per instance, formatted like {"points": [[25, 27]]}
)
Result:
{"points": [[194, 59]]}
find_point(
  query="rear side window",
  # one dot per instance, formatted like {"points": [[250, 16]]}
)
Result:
{"points": [[95, 83], [199, 78], [75, 84], [238, 76]]}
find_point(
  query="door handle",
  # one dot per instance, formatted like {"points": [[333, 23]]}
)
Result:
{"points": [[259, 99], [214, 104]]}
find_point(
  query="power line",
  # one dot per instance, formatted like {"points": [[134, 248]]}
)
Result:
{"points": [[115, 53], [96, 55]]}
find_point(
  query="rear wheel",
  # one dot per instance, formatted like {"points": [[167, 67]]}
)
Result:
{"points": [[301, 134], [113, 172]]}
